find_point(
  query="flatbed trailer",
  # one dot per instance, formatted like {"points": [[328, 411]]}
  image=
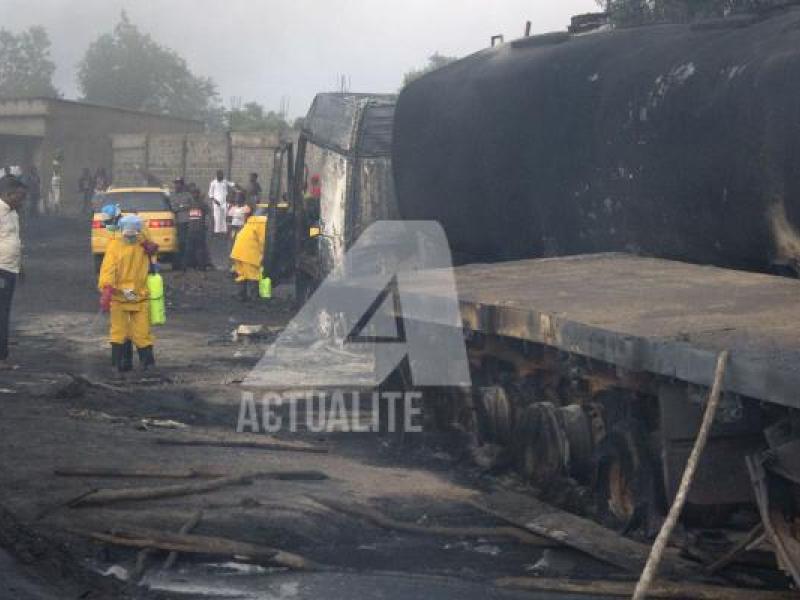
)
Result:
{"points": [[595, 369], [644, 315]]}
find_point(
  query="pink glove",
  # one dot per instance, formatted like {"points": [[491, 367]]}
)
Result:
{"points": [[150, 248], [105, 298]]}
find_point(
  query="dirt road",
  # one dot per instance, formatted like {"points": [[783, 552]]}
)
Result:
{"points": [[60, 410]]}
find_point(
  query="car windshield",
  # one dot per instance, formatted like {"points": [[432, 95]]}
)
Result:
{"points": [[134, 201]]}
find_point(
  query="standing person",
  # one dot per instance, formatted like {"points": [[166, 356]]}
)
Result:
{"points": [[253, 191], [180, 201], [86, 189], [247, 255], [12, 195], [54, 198], [218, 194], [124, 293], [197, 244], [311, 201], [101, 181], [238, 214]]}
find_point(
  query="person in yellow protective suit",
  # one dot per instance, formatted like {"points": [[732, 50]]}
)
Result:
{"points": [[247, 253], [111, 214], [123, 287]]}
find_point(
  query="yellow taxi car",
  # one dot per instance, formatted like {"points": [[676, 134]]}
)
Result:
{"points": [[151, 204]]}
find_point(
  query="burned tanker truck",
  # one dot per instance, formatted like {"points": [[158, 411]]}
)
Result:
{"points": [[618, 203]]}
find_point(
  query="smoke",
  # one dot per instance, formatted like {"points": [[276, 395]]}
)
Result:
{"points": [[275, 52]]}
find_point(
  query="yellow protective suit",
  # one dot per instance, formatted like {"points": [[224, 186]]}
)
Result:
{"points": [[125, 267], [248, 250]]}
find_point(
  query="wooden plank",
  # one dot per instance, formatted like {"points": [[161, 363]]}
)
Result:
{"points": [[114, 472], [381, 520], [145, 553], [198, 544], [576, 532], [624, 589], [244, 443], [103, 497], [187, 528]]}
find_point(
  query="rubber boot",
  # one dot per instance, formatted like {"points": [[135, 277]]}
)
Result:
{"points": [[126, 359], [146, 358], [116, 357], [242, 290], [116, 354]]}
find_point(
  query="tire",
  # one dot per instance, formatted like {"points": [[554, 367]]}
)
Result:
{"points": [[541, 448], [495, 415], [625, 484]]}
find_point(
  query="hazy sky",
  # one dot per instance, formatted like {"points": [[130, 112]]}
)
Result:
{"points": [[265, 50]]}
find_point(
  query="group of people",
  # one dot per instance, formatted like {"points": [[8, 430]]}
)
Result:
{"points": [[131, 255], [191, 219], [89, 185], [231, 207]]}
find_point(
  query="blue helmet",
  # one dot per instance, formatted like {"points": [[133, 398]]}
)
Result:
{"points": [[130, 224], [110, 211]]}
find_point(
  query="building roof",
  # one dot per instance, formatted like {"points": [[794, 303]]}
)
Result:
{"points": [[5, 101]]}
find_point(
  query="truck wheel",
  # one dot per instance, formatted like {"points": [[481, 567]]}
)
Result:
{"points": [[625, 484], [541, 447], [495, 415]]}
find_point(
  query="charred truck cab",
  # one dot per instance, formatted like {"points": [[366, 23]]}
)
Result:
{"points": [[343, 171]]}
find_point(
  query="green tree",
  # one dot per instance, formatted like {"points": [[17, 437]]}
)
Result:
{"points": [[437, 61], [25, 66], [128, 68], [252, 117]]}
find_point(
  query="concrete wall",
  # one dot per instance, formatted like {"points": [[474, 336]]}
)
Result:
{"points": [[206, 154], [82, 133], [194, 156]]}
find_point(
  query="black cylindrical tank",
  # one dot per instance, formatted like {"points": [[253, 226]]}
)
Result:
{"points": [[676, 141]]}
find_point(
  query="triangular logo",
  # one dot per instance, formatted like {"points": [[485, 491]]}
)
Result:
{"points": [[382, 323]]}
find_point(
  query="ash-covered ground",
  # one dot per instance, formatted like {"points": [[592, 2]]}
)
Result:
{"points": [[63, 409]]}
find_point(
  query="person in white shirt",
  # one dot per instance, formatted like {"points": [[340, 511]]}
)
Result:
{"points": [[54, 199], [218, 194], [238, 214], [12, 194]]}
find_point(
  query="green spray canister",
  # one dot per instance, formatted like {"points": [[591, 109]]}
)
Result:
{"points": [[158, 311]]}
